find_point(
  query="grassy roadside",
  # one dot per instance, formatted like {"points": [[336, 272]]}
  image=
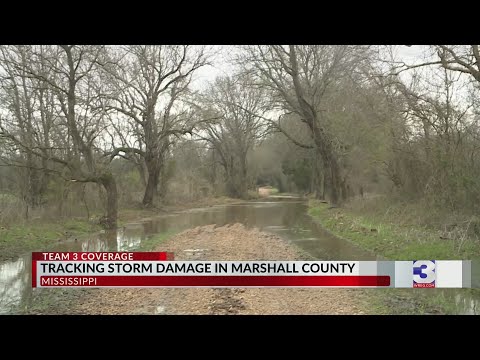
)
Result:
{"points": [[60, 301], [392, 240], [23, 237], [396, 240]]}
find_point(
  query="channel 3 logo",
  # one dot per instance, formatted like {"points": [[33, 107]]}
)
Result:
{"points": [[424, 274]]}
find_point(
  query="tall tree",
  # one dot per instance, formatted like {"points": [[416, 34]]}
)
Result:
{"points": [[299, 79], [238, 109], [145, 85], [29, 114], [68, 75], [436, 158]]}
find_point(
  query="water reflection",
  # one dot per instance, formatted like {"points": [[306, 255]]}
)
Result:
{"points": [[467, 304], [285, 218], [14, 282]]}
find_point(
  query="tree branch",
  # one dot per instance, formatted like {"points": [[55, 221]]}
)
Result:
{"points": [[116, 151]]}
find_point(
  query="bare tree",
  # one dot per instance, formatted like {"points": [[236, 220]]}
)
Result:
{"points": [[238, 109], [461, 58], [24, 97], [299, 79], [464, 59], [436, 155], [68, 75], [145, 86]]}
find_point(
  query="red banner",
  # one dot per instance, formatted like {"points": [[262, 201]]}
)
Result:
{"points": [[213, 281]]}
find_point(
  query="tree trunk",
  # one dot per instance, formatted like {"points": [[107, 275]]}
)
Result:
{"points": [[335, 182], [110, 185], [319, 181], [65, 191], [33, 190], [152, 182], [237, 183], [313, 178], [344, 188], [142, 171], [43, 180], [323, 185], [162, 182], [231, 188], [213, 175], [331, 170], [242, 180]]}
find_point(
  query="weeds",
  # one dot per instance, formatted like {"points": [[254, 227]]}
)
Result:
{"points": [[405, 232]]}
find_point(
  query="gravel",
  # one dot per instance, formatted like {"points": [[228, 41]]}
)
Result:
{"points": [[226, 243]]}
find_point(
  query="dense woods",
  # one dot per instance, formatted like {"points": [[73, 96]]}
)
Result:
{"points": [[85, 130]]}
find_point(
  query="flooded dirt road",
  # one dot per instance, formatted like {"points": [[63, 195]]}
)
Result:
{"points": [[285, 217]]}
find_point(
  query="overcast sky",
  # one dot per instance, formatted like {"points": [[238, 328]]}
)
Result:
{"points": [[410, 55]]}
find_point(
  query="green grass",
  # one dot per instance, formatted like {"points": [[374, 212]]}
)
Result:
{"points": [[6, 199], [61, 301], [18, 239], [392, 240], [409, 301], [397, 239]]}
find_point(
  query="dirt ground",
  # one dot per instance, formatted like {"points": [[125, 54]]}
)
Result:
{"points": [[231, 242]]}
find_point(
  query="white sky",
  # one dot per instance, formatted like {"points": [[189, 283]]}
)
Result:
{"points": [[221, 66], [412, 54]]}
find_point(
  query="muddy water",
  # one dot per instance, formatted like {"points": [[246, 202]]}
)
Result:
{"points": [[285, 217]]}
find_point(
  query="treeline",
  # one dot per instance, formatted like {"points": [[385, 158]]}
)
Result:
{"points": [[95, 126]]}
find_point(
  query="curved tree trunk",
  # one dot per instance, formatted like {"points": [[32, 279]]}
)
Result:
{"points": [[331, 168]]}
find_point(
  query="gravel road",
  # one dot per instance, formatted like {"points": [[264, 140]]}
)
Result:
{"points": [[231, 242]]}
